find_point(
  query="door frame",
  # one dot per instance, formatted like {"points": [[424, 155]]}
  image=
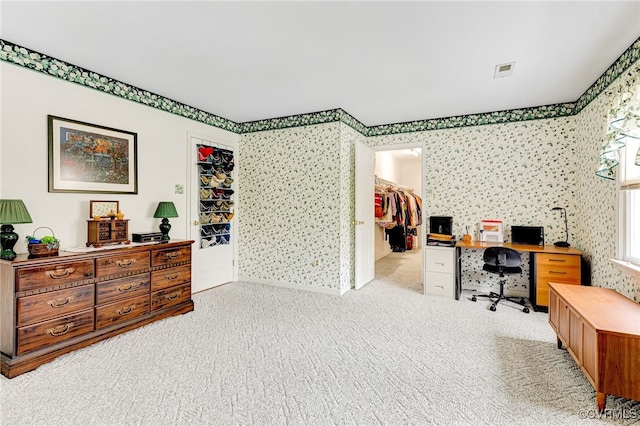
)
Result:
{"points": [[423, 193]]}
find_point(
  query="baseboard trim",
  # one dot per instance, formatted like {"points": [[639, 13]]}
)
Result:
{"points": [[323, 290]]}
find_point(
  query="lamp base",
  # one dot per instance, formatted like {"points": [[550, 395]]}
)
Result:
{"points": [[561, 244], [165, 227], [8, 239]]}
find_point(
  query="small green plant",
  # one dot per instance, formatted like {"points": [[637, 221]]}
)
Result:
{"points": [[47, 239]]}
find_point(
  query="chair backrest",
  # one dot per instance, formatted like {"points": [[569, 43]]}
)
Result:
{"points": [[501, 256]]}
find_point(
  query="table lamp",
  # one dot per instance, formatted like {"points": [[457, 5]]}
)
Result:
{"points": [[165, 210], [11, 211], [564, 243]]}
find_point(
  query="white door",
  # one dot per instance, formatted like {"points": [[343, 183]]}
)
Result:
{"points": [[214, 249], [364, 224]]}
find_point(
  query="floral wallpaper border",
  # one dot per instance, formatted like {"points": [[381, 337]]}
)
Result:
{"points": [[19, 55]]}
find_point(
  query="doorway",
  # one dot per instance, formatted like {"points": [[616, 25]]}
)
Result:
{"points": [[399, 248]]}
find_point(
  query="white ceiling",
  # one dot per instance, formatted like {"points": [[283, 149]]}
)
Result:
{"points": [[383, 62]]}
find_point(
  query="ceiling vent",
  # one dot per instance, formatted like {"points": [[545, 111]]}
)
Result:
{"points": [[504, 70]]}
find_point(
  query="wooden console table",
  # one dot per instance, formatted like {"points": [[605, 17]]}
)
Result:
{"points": [[601, 330], [53, 305]]}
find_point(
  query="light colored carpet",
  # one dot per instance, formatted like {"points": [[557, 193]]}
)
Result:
{"points": [[257, 355]]}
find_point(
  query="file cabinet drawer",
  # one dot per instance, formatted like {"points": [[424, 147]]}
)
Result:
{"points": [[439, 284], [440, 259]]}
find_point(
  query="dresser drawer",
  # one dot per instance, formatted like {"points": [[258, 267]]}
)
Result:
{"points": [[54, 275], [169, 256], [170, 296], [41, 307], [439, 260], [170, 277], [47, 333], [122, 310], [122, 288], [439, 284], [124, 263]]}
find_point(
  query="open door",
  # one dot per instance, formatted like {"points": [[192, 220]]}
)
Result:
{"points": [[364, 217], [213, 224]]}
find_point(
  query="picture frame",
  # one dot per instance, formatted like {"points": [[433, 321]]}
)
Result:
{"points": [[102, 208], [90, 158]]}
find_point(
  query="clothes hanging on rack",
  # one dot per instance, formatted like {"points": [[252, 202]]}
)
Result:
{"points": [[398, 210]]}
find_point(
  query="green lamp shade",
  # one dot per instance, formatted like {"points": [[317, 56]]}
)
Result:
{"points": [[13, 211], [165, 209]]}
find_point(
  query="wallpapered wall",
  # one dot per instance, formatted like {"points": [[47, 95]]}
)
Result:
{"points": [[598, 197], [290, 214], [515, 172]]}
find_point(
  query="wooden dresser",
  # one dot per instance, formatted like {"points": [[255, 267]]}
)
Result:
{"points": [[54, 305], [601, 330]]}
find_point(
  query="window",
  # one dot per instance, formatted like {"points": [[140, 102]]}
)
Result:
{"points": [[629, 177]]}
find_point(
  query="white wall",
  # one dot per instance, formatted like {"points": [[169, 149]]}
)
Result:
{"points": [[28, 97]]}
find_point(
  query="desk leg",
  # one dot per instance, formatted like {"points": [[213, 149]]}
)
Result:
{"points": [[458, 272]]}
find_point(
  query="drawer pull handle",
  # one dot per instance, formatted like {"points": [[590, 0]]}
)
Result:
{"points": [[125, 263], [557, 260], [59, 273], [59, 303], [440, 286], [172, 255], [558, 272], [127, 310], [125, 287], [173, 296], [440, 263], [172, 277], [60, 330]]}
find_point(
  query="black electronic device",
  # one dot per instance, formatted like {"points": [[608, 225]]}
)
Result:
{"points": [[441, 225], [146, 237], [533, 235]]}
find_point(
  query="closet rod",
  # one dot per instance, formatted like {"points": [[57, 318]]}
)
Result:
{"points": [[381, 181]]}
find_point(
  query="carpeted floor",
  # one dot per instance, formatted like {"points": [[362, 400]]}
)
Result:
{"points": [[258, 355]]}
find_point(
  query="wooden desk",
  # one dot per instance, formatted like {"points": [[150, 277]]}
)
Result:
{"points": [[601, 330], [546, 263]]}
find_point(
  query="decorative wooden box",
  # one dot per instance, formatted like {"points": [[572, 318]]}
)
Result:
{"points": [[103, 232]]}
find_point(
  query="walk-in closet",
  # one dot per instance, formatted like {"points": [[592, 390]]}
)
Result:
{"points": [[398, 208]]}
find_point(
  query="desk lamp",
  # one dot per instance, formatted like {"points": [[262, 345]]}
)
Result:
{"points": [[564, 243], [11, 211], [165, 210]]}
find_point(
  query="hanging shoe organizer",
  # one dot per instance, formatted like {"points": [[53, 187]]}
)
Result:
{"points": [[215, 166]]}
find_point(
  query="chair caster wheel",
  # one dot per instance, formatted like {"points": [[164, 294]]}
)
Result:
{"points": [[522, 302], [492, 308], [525, 310], [474, 298]]}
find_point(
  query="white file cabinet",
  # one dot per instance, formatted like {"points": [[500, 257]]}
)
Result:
{"points": [[439, 271]]}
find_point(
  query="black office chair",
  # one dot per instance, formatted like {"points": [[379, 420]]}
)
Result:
{"points": [[502, 261]]}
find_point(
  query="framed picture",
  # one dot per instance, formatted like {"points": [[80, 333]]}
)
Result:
{"points": [[89, 158], [103, 208]]}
